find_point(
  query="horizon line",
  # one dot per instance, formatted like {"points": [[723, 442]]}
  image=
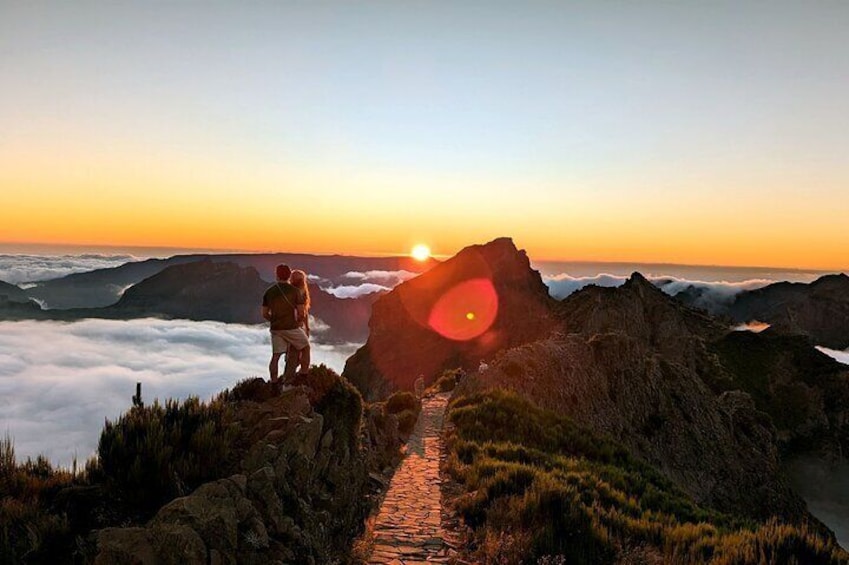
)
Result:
{"points": [[90, 248]]}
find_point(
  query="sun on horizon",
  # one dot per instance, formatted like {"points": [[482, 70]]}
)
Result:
{"points": [[420, 252]]}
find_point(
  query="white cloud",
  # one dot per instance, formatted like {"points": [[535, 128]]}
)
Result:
{"points": [[369, 282], [714, 294], [58, 381], [840, 356], [386, 278], [29, 268], [562, 285], [355, 291]]}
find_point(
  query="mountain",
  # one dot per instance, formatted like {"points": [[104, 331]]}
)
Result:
{"points": [[460, 312], [12, 293], [226, 292], [210, 290], [667, 382], [103, 287], [819, 310]]}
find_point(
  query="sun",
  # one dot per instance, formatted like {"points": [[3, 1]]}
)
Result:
{"points": [[420, 252]]}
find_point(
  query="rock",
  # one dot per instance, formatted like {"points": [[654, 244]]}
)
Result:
{"points": [[125, 546], [178, 544]]}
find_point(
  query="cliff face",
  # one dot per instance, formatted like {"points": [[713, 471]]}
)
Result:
{"points": [[462, 311], [819, 310]]}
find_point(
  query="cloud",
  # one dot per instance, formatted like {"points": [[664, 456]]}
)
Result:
{"points": [[58, 381], [840, 356], [355, 291], [385, 278], [754, 326], [711, 295], [561, 286], [29, 268]]}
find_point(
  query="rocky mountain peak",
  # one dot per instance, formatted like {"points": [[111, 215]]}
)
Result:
{"points": [[463, 310]]}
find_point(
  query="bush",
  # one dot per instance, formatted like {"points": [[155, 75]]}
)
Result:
{"points": [[155, 453], [407, 422], [401, 401]]}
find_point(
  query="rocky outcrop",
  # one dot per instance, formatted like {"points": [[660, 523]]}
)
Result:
{"points": [[298, 494], [819, 310], [483, 300]]}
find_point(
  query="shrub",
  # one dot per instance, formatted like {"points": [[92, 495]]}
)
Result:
{"points": [[155, 453], [401, 401], [407, 422]]}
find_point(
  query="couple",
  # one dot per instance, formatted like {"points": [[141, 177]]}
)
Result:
{"points": [[286, 305]]}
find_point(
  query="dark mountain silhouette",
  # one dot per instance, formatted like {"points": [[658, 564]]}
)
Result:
{"points": [[12, 293], [402, 342], [103, 287], [210, 290], [819, 310]]}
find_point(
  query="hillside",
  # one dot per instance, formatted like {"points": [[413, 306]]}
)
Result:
{"points": [[250, 477]]}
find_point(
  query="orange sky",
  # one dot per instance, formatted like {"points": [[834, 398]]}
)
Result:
{"points": [[686, 136]]}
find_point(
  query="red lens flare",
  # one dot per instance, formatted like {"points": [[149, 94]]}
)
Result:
{"points": [[466, 311]]}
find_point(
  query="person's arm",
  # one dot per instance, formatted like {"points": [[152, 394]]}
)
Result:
{"points": [[307, 322], [266, 309], [302, 314]]}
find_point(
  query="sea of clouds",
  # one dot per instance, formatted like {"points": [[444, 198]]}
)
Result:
{"points": [[18, 269], [59, 381], [714, 294]]}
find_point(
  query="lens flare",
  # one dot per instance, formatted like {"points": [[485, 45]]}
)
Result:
{"points": [[466, 311]]}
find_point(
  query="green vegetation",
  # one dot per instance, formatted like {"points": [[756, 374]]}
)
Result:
{"points": [[406, 407], [541, 488]]}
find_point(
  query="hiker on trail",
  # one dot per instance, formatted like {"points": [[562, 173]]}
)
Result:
{"points": [[283, 306], [299, 281]]}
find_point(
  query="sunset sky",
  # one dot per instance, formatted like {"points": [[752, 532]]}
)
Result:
{"points": [[687, 132]]}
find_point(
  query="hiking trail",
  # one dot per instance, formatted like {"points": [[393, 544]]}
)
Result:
{"points": [[412, 525]]}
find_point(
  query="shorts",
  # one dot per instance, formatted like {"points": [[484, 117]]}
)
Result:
{"points": [[282, 339]]}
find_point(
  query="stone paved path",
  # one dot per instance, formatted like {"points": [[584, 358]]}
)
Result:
{"points": [[410, 526]]}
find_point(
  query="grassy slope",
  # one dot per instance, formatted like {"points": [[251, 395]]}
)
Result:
{"points": [[539, 487]]}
